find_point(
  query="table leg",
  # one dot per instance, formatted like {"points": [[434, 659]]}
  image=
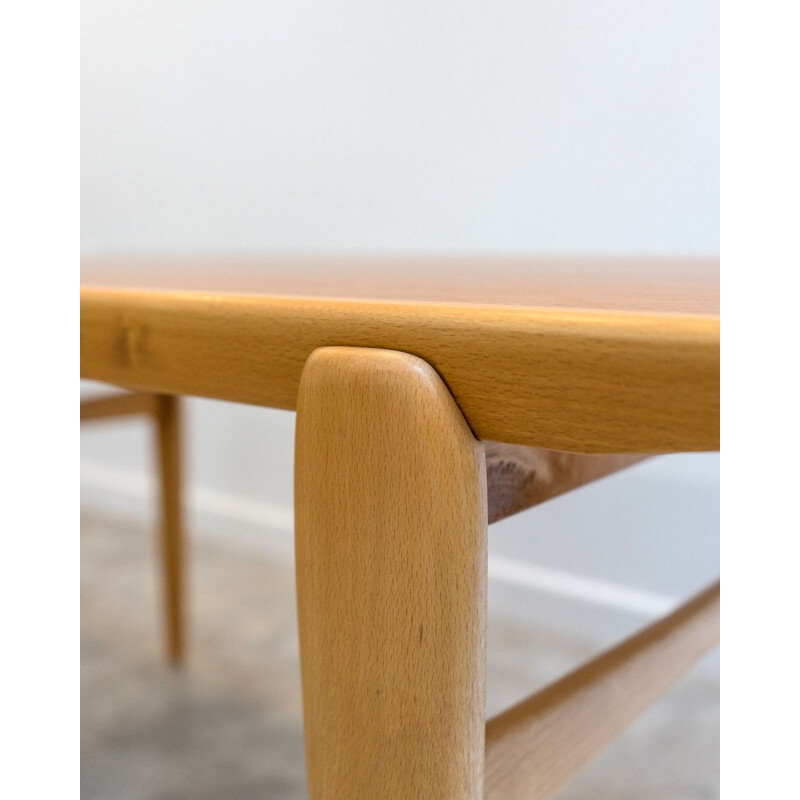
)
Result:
{"points": [[391, 519], [168, 424]]}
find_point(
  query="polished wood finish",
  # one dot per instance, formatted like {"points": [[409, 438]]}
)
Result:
{"points": [[395, 366], [164, 410], [535, 747], [520, 477], [580, 381], [390, 529], [637, 284]]}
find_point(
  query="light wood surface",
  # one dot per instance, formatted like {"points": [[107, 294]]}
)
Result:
{"points": [[395, 366], [520, 477], [390, 508], [168, 421], [682, 286], [114, 406], [580, 381], [538, 745]]}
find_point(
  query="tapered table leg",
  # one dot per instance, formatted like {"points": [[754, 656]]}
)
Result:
{"points": [[391, 522], [172, 546]]}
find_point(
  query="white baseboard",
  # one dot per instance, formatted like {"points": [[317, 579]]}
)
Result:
{"points": [[530, 595], [265, 527], [579, 587], [268, 527]]}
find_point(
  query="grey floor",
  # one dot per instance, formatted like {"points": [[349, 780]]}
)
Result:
{"points": [[228, 725]]}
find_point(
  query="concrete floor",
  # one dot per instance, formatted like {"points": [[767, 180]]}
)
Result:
{"points": [[229, 723]]}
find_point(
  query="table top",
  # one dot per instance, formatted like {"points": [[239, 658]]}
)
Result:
{"points": [[687, 286], [587, 355]]}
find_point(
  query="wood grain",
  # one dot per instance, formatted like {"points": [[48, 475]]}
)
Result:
{"points": [[520, 477], [390, 500], [534, 748], [577, 381]]}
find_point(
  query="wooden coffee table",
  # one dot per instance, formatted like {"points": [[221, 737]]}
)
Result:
{"points": [[434, 395]]}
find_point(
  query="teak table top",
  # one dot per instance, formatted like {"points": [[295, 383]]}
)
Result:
{"points": [[584, 355]]}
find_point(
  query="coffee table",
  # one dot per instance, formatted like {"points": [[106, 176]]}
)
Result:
{"points": [[434, 394]]}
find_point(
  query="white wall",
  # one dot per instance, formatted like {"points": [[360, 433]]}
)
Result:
{"points": [[550, 126], [555, 125]]}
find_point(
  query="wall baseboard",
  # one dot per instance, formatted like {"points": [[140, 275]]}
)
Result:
{"points": [[265, 527], [268, 528], [533, 596]]}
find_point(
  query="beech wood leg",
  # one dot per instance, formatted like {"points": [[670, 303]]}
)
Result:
{"points": [[168, 422], [391, 519]]}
